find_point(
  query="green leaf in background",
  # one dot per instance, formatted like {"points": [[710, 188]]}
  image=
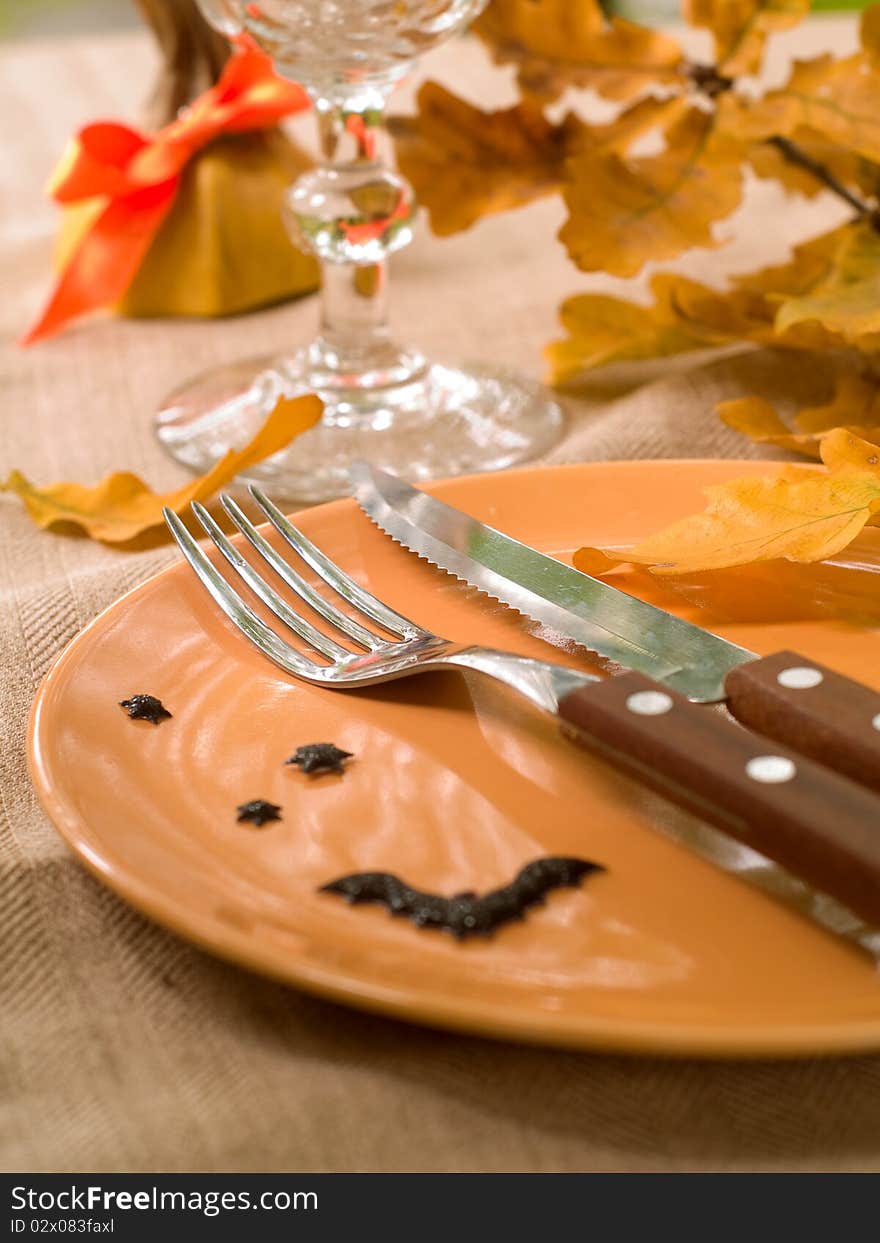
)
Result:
{"points": [[31, 18], [663, 12]]}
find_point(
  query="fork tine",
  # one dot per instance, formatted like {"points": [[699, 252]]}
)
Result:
{"points": [[355, 631], [331, 573], [332, 650], [251, 626]]}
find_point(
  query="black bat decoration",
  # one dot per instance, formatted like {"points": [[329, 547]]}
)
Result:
{"points": [[258, 812], [317, 757], [145, 708], [465, 914]]}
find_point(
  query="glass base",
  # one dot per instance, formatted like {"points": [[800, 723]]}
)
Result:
{"points": [[442, 421]]}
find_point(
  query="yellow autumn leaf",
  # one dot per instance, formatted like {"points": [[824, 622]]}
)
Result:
{"points": [[121, 506], [598, 561], [843, 452], [465, 163], [809, 263], [559, 43], [625, 212], [768, 307], [602, 330], [834, 98], [804, 514], [683, 316], [781, 297], [740, 28], [846, 299], [633, 122], [855, 407], [758, 419]]}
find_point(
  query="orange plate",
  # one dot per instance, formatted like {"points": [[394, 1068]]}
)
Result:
{"points": [[455, 785]]}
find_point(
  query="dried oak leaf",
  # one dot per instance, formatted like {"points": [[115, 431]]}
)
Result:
{"points": [[121, 506], [683, 316], [845, 300], [769, 162], [837, 99], [854, 406], [758, 419], [625, 212], [557, 43], [801, 514], [740, 28], [870, 34], [818, 299], [466, 163], [603, 330], [842, 451]]}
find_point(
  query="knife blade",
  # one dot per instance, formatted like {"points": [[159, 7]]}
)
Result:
{"points": [[788, 697]]}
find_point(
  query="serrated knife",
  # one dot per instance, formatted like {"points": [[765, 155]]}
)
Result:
{"points": [[789, 698]]}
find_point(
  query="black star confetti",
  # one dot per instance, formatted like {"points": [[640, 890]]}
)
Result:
{"points": [[465, 914], [258, 812], [145, 708], [319, 757]]}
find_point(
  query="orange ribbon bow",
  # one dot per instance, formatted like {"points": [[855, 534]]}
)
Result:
{"points": [[139, 178]]}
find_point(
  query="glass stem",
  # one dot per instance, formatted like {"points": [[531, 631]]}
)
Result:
{"points": [[353, 212], [354, 332]]}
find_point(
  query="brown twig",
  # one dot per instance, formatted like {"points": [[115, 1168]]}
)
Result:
{"points": [[796, 155], [708, 79]]}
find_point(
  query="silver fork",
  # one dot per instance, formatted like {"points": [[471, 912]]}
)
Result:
{"points": [[810, 820], [380, 658]]}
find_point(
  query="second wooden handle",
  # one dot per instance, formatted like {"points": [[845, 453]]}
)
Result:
{"points": [[820, 826], [813, 710]]}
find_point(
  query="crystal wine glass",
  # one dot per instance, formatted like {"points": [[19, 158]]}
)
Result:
{"points": [[383, 401]]}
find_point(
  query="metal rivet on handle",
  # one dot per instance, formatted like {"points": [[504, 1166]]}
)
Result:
{"points": [[799, 678], [649, 703], [876, 721], [771, 769]]}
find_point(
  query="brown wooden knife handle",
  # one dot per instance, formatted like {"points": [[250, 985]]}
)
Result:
{"points": [[814, 710], [819, 825]]}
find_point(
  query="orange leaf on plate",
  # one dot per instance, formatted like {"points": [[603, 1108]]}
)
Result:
{"points": [[800, 514], [842, 452], [121, 506]]}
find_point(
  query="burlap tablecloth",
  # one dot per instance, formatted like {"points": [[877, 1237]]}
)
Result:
{"points": [[123, 1048]]}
